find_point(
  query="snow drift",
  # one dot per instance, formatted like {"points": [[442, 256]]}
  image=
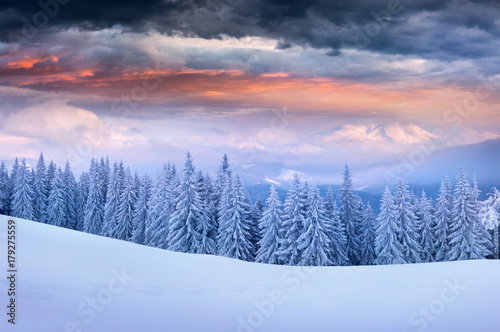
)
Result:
{"points": [[72, 281]]}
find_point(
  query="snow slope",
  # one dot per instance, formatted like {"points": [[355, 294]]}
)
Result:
{"points": [[60, 270]]}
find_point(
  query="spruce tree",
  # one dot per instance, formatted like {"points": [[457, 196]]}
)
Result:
{"points": [[330, 204], [465, 242], [350, 217], [161, 207], [12, 179], [123, 230], [254, 221], [41, 193], [141, 210], [70, 197], [443, 222], [259, 207], [406, 221], [56, 210], [314, 243], [115, 188], [207, 227], [339, 240], [22, 197], [51, 175], [104, 169], [387, 245], [234, 238], [270, 230], [223, 175], [482, 233], [490, 218], [153, 211], [183, 233], [368, 237], [83, 194], [4, 189], [293, 224], [426, 227], [93, 218]]}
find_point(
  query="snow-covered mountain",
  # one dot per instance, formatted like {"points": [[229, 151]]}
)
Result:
{"points": [[72, 281], [393, 133]]}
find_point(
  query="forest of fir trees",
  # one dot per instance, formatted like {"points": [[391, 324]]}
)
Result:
{"points": [[189, 212]]}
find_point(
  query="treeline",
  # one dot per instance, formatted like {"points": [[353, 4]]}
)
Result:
{"points": [[190, 212]]}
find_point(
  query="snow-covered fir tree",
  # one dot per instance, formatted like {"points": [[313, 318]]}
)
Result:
{"points": [[207, 226], [83, 194], [490, 218], [137, 183], [223, 175], [183, 233], [254, 221], [270, 230], [336, 231], [4, 189], [12, 178], [350, 217], [115, 189], [465, 241], [56, 210], [368, 237], [51, 175], [41, 193], [155, 207], [426, 228], [259, 207], [330, 204], [483, 235], [292, 224], [93, 218], [414, 206], [406, 221], [123, 230], [104, 169], [314, 243], [22, 193], [70, 197], [141, 210], [234, 237], [305, 196], [388, 248], [161, 207], [443, 221]]}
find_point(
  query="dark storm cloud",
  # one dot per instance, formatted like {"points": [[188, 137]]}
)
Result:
{"points": [[425, 28]]}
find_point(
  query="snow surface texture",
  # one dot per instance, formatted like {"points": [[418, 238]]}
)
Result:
{"points": [[60, 270]]}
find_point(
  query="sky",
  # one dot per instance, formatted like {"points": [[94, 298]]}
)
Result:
{"points": [[266, 81]]}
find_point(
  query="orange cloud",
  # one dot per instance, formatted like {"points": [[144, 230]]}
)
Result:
{"points": [[220, 87], [28, 62]]}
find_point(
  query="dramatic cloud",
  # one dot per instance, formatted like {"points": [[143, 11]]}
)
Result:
{"points": [[158, 77], [427, 28], [55, 122]]}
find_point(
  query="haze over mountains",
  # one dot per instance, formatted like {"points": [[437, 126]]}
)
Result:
{"points": [[422, 155], [481, 160]]}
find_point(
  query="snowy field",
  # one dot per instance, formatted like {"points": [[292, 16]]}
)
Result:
{"points": [[71, 281]]}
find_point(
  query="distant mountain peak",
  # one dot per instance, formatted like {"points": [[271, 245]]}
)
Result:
{"points": [[395, 133]]}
